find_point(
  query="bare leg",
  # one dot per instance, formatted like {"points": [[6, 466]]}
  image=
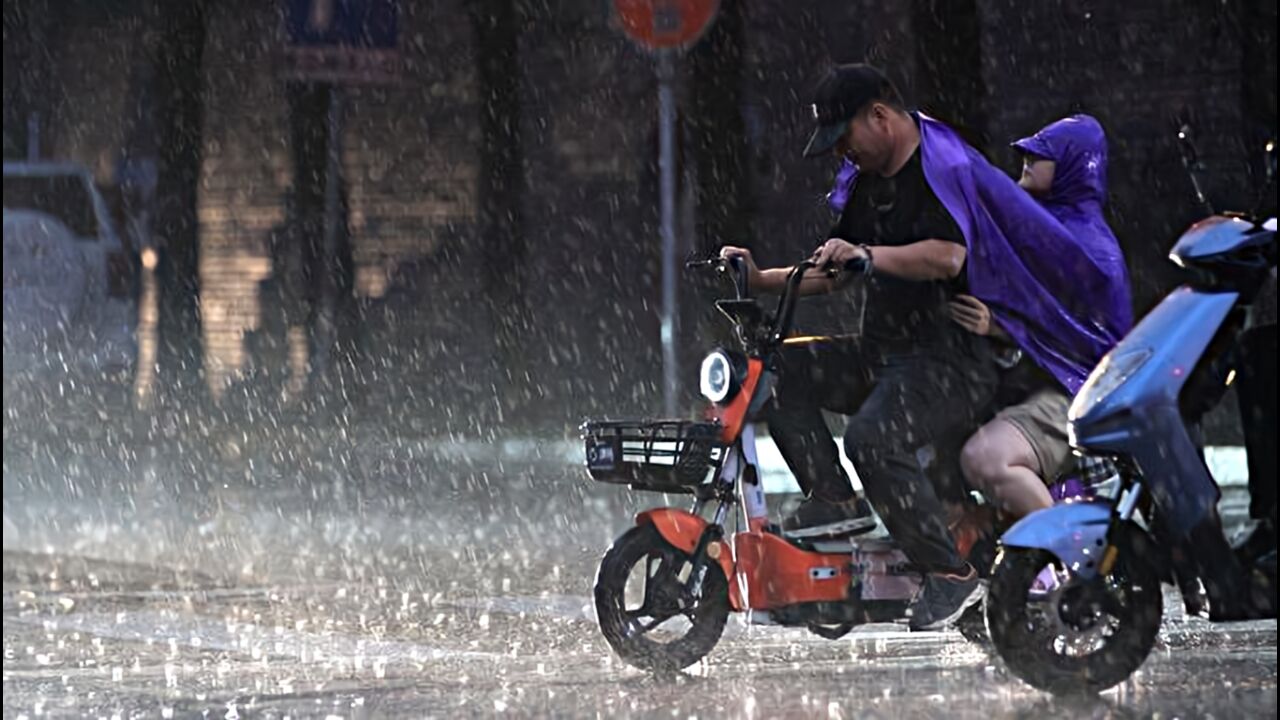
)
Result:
{"points": [[1000, 463]]}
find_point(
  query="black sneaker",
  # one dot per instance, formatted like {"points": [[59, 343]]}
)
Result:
{"points": [[943, 599], [1255, 543], [818, 518]]}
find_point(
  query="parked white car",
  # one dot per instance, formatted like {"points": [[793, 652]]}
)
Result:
{"points": [[69, 302]]}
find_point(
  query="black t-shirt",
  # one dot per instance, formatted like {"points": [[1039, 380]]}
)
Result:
{"points": [[900, 210], [1023, 380]]}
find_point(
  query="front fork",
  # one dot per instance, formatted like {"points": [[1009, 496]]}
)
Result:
{"points": [[1179, 569], [749, 484], [738, 478], [1125, 508], [1198, 559]]}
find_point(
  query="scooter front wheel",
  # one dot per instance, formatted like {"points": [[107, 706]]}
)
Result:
{"points": [[1067, 635], [644, 609]]}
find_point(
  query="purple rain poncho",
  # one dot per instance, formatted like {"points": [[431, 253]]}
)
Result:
{"points": [[1053, 275], [1077, 146], [1062, 295], [842, 188]]}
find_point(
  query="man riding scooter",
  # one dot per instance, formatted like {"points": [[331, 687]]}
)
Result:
{"points": [[934, 207], [912, 376]]}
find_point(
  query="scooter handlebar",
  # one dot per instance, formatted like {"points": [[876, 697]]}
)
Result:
{"points": [[736, 264], [787, 303], [740, 278], [857, 266], [791, 290]]}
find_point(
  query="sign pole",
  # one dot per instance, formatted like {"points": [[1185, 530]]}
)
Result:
{"points": [[667, 169]]}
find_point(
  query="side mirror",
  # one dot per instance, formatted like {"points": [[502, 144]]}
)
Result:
{"points": [[1187, 147], [1266, 207], [1191, 161]]}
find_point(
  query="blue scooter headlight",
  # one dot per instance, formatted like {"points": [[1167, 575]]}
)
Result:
{"points": [[1111, 373]]}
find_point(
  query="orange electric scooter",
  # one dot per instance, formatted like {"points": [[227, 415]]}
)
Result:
{"points": [[665, 588]]}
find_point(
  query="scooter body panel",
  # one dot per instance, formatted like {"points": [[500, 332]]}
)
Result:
{"points": [[1140, 417], [884, 572], [1073, 532], [767, 572], [733, 416], [773, 573], [682, 529]]}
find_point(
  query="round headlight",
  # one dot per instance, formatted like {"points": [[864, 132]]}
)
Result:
{"points": [[716, 377]]}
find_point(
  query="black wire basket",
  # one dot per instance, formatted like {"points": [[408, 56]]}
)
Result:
{"points": [[672, 456]]}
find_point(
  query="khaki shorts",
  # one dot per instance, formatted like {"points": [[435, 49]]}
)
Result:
{"points": [[1042, 420]]}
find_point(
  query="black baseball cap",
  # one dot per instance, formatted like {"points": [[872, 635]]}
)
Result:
{"points": [[838, 96]]}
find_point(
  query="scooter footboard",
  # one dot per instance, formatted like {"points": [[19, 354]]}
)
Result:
{"points": [[886, 574], [1076, 533]]}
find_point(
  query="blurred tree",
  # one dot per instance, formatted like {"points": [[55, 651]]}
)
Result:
{"points": [[309, 107], [718, 131], [179, 113], [714, 140], [500, 189]]}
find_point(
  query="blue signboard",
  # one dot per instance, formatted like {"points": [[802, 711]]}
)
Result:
{"points": [[348, 23], [342, 40]]}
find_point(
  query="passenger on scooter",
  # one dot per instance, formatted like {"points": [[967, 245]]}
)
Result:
{"points": [[1014, 458], [912, 375]]}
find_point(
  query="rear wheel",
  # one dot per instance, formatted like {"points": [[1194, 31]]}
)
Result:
{"points": [[643, 609], [1067, 635]]}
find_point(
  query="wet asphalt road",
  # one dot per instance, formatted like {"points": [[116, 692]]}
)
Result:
{"points": [[434, 588]]}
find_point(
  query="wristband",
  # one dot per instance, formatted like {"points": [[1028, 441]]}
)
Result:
{"points": [[869, 267]]}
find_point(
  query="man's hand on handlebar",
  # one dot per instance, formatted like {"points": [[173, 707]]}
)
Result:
{"points": [[822, 271], [836, 255], [729, 252]]}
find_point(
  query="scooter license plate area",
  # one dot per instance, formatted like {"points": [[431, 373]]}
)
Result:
{"points": [[603, 455]]}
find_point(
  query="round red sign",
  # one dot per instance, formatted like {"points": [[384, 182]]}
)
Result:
{"points": [[664, 24]]}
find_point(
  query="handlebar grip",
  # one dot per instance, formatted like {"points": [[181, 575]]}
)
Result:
{"points": [[740, 279], [856, 266]]}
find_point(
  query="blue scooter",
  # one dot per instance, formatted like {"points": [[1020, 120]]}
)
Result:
{"points": [[1075, 597]]}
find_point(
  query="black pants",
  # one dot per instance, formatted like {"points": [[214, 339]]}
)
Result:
{"points": [[1253, 358], [1256, 388], [897, 404]]}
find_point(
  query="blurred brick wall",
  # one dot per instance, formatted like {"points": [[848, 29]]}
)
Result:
{"points": [[588, 132], [592, 281], [409, 165], [246, 169]]}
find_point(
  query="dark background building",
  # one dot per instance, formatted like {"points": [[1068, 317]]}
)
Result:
{"points": [[500, 265]]}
